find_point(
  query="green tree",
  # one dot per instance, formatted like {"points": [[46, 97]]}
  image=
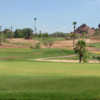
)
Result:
{"points": [[97, 32], [40, 34], [7, 33], [45, 35], [28, 33], [74, 26], [83, 36], [80, 49], [18, 33]]}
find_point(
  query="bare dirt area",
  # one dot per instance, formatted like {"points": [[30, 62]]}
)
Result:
{"points": [[65, 61], [53, 59], [68, 44], [18, 43], [94, 50], [63, 44], [22, 41]]}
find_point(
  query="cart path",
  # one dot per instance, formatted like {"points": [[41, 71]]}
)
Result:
{"points": [[53, 59]]}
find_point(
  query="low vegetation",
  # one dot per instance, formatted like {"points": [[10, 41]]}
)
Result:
{"points": [[81, 50]]}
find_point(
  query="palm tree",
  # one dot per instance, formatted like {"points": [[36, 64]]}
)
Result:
{"points": [[74, 26], [80, 49]]}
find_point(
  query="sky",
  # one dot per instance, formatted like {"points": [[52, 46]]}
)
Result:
{"points": [[52, 15]]}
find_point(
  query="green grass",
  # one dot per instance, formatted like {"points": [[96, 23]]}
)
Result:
{"points": [[22, 54], [23, 79], [49, 81], [97, 45], [50, 38]]}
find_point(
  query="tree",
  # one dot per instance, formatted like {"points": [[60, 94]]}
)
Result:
{"points": [[18, 33], [74, 26], [97, 32], [45, 35], [58, 34], [83, 35], [40, 34], [80, 49], [7, 33], [28, 32]]}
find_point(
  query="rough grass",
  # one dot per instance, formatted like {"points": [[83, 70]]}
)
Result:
{"points": [[49, 81], [51, 38]]}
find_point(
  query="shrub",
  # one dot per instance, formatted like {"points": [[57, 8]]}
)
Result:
{"points": [[38, 46]]}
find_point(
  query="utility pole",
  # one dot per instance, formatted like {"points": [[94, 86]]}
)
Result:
{"points": [[35, 25]]}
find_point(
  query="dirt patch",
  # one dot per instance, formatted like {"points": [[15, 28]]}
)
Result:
{"points": [[63, 44], [22, 43], [66, 61], [18, 43], [69, 43], [53, 59]]}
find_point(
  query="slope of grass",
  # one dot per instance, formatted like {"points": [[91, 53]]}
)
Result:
{"points": [[49, 81], [23, 54], [97, 45]]}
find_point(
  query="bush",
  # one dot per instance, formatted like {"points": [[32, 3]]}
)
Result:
{"points": [[38, 46], [48, 42], [96, 57]]}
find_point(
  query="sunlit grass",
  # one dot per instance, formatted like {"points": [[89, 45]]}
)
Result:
{"points": [[49, 81]]}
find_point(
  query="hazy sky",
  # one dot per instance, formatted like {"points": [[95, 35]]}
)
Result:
{"points": [[52, 15]]}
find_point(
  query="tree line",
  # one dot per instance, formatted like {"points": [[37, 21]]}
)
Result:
{"points": [[28, 33]]}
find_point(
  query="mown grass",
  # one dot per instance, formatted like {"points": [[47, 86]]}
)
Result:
{"points": [[49, 81], [23, 79]]}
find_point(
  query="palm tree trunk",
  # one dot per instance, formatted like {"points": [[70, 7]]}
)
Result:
{"points": [[80, 59], [73, 42], [74, 38]]}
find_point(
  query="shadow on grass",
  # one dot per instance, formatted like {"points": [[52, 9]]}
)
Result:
{"points": [[29, 88]]}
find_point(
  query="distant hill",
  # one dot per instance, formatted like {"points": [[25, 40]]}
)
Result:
{"points": [[85, 28]]}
